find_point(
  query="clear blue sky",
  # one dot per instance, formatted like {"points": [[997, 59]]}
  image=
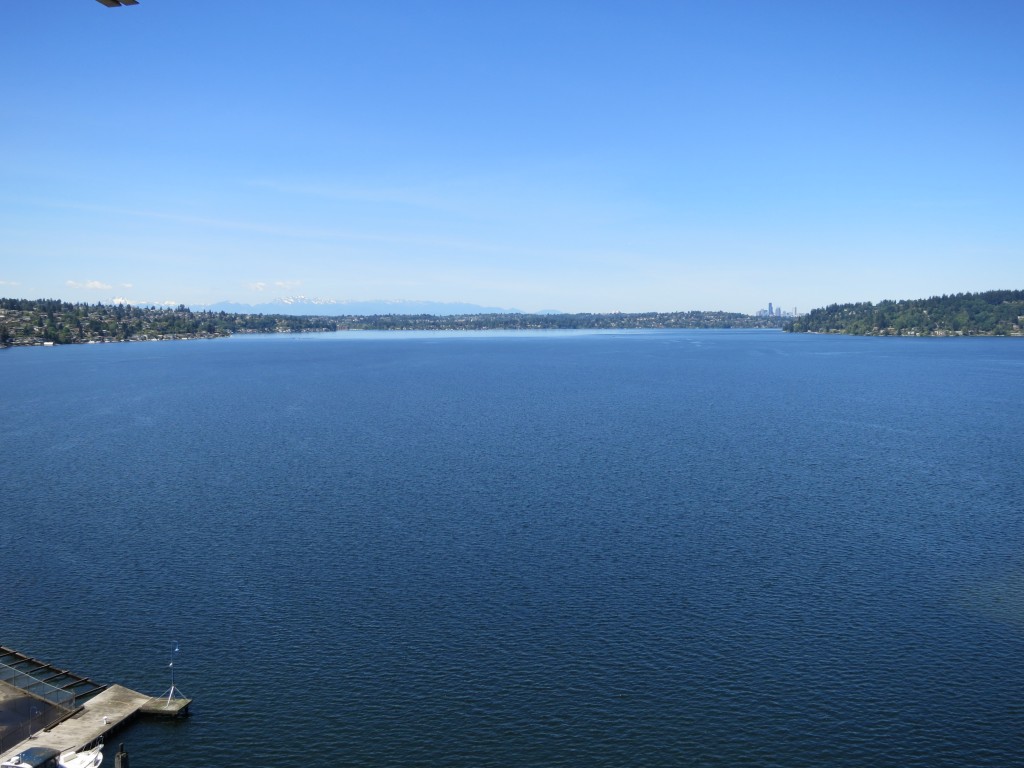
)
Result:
{"points": [[574, 155]]}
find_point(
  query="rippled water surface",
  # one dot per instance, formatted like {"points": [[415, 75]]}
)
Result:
{"points": [[620, 549]]}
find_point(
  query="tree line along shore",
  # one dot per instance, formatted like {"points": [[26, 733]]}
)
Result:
{"points": [[27, 322], [990, 313]]}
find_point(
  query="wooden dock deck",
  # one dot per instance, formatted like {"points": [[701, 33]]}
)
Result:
{"points": [[105, 708], [109, 711], [97, 718]]}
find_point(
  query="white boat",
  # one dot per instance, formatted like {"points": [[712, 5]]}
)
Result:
{"points": [[44, 757], [89, 758]]}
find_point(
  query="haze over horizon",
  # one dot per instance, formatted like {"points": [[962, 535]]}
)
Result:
{"points": [[582, 156]]}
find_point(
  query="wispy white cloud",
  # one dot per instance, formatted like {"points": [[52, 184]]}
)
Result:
{"points": [[262, 285], [9, 282], [92, 285]]}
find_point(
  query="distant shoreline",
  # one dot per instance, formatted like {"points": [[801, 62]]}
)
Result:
{"points": [[52, 322]]}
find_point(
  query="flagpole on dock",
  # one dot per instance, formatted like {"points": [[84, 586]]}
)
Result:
{"points": [[173, 690]]}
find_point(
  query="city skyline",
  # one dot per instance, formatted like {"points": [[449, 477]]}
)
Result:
{"points": [[592, 157]]}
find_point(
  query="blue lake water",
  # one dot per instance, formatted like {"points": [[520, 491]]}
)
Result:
{"points": [[706, 548]]}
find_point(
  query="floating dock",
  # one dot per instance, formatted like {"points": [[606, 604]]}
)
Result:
{"points": [[110, 708]]}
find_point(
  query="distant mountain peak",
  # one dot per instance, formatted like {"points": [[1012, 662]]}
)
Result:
{"points": [[317, 300]]}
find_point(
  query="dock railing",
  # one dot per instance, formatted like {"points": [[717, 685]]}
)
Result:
{"points": [[42, 706], [38, 688]]}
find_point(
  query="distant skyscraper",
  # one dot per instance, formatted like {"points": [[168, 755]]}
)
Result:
{"points": [[770, 312]]}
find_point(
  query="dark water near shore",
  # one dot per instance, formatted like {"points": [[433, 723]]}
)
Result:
{"points": [[621, 549]]}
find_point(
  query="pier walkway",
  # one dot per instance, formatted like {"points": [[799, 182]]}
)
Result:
{"points": [[98, 717], [108, 708]]}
